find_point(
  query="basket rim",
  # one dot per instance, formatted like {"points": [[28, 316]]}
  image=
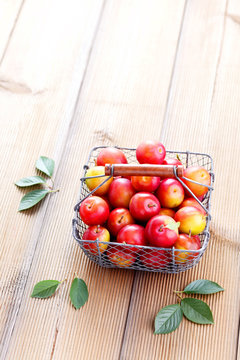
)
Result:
{"points": [[133, 149]]}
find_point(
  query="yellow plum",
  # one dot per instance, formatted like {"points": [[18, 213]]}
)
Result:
{"points": [[192, 220], [93, 183]]}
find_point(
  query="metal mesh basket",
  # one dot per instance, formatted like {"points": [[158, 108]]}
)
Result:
{"points": [[146, 258]]}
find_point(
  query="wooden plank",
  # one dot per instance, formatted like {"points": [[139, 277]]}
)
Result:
{"points": [[201, 116], [126, 85], [9, 14], [51, 43], [228, 76]]}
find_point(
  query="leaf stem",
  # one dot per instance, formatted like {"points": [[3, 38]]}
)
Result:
{"points": [[61, 283], [53, 191], [177, 293]]}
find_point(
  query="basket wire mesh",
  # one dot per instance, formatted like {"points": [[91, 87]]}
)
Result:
{"points": [[145, 258]]}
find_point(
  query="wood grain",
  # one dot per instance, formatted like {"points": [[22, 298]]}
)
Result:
{"points": [[111, 95]]}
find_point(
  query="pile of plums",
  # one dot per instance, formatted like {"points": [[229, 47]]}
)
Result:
{"points": [[143, 211]]}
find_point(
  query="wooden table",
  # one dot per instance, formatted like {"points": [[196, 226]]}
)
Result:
{"points": [[75, 74]]}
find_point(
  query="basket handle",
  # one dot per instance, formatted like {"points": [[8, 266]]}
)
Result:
{"points": [[143, 170]]}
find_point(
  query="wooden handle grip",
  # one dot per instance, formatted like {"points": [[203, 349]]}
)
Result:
{"points": [[143, 170]]}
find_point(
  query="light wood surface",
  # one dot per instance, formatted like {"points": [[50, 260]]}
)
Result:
{"points": [[77, 74]]}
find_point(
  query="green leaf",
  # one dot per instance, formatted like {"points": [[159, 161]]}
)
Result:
{"points": [[78, 293], [30, 181], [32, 198], [202, 287], [45, 289], [168, 319], [197, 311], [178, 158], [173, 225], [46, 165]]}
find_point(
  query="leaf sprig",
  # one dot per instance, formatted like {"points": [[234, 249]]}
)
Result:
{"points": [[46, 166], [78, 291], [169, 318]]}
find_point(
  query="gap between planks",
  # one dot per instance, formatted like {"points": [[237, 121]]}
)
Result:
{"points": [[11, 32]]}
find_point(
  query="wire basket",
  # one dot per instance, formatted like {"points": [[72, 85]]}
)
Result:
{"points": [[145, 258]]}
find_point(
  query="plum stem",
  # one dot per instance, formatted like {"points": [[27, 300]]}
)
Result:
{"points": [[151, 205], [98, 229], [161, 228], [120, 220]]}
